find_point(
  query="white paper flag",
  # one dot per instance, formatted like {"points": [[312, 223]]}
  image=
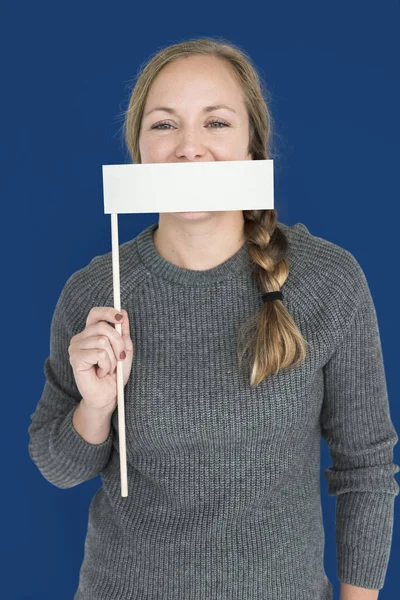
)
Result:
{"points": [[188, 187]]}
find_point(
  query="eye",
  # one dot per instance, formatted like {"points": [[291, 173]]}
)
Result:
{"points": [[219, 121], [159, 126], [224, 123]]}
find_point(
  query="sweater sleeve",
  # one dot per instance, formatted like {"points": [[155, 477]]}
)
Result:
{"points": [[62, 456], [356, 425]]}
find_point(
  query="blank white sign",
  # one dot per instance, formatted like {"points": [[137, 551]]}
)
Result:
{"points": [[188, 187]]}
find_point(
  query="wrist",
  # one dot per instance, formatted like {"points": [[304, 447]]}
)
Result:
{"points": [[93, 425], [94, 412]]}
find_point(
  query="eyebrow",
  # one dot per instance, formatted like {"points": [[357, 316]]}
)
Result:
{"points": [[206, 109]]}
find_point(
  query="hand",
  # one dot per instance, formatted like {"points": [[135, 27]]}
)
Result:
{"points": [[93, 355]]}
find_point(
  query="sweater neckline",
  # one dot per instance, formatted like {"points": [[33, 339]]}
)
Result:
{"points": [[239, 263]]}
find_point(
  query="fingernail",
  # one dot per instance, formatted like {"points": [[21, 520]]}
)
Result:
{"points": [[122, 355], [119, 317]]}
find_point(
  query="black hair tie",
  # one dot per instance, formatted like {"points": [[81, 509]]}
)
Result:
{"points": [[272, 296]]}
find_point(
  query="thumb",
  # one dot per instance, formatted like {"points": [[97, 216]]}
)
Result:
{"points": [[125, 331]]}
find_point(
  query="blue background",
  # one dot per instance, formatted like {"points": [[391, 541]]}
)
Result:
{"points": [[332, 70]]}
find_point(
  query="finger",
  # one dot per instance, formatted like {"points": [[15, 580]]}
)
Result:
{"points": [[125, 332], [102, 328], [99, 341], [87, 358], [102, 313]]}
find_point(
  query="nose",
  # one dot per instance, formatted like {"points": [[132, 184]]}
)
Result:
{"points": [[190, 145]]}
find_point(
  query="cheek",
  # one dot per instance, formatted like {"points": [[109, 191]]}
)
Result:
{"points": [[152, 148], [154, 142]]}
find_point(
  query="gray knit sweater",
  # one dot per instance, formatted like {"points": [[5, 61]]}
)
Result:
{"points": [[224, 480]]}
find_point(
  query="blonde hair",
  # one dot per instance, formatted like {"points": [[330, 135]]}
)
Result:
{"points": [[271, 334]]}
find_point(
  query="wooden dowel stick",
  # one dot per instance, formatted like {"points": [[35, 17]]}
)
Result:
{"points": [[120, 378]]}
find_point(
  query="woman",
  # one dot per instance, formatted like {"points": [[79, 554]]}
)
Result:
{"points": [[223, 456]]}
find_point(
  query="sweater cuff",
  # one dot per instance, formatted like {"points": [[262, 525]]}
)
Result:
{"points": [[364, 529]]}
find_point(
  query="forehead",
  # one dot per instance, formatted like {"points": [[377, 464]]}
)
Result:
{"points": [[193, 75]]}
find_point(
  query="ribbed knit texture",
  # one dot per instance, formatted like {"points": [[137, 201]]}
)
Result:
{"points": [[224, 480]]}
